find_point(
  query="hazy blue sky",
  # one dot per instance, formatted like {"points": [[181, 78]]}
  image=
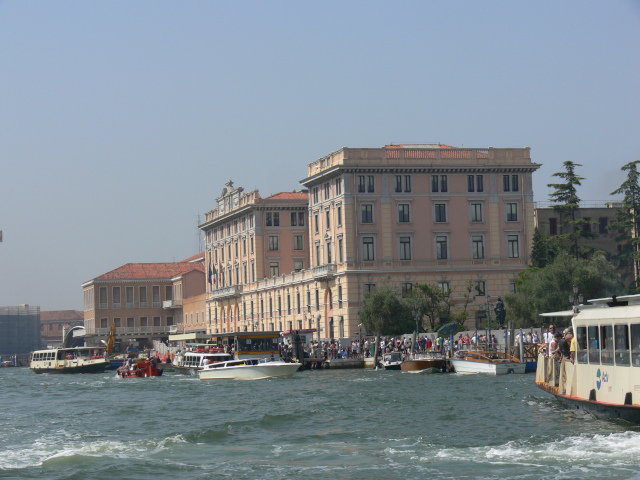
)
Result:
{"points": [[121, 121]]}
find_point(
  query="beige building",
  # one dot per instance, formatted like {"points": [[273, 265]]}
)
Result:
{"points": [[146, 302], [414, 213]]}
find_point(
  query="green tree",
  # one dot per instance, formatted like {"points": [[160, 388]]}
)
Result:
{"points": [[547, 289], [629, 221], [430, 301], [384, 312], [461, 315], [565, 196]]}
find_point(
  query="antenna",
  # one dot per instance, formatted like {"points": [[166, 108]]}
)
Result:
{"points": [[198, 243]]}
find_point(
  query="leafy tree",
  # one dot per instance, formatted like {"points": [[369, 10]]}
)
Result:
{"points": [[384, 312], [547, 289], [629, 220], [460, 316], [567, 202], [431, 301]]}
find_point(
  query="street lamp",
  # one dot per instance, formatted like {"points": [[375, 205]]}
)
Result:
{"points": [[576, 298]]}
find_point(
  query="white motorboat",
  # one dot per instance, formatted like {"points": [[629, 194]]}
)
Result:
{"points": [[494, 363], [191, 362], [248, 369], [390, 361], [604, 377]]}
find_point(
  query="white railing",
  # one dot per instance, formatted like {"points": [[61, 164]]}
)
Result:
{"points": [[167, 304], [128, 330], [231, 291], [325, 270]]}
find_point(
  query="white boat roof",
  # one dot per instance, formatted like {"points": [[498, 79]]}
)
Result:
{"points": [[614, 313], [598, 304]]}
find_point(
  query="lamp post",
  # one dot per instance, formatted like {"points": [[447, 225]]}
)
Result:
{"points": [[576, 299]]}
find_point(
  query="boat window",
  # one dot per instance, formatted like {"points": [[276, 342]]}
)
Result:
{"points": [[635, 345], [606, 347], [622, 345], [594, 345], [581, 344]]}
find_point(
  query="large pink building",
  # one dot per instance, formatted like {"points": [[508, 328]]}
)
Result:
{"points": [[414, 213]]}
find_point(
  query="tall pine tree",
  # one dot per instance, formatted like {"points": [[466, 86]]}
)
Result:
{"points": [[565, 196], [628, 223]]}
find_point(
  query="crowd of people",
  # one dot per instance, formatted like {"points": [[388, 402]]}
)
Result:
{"points": [[562, 345]]}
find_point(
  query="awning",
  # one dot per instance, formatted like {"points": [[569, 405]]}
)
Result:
{"points": [[189, 336]]}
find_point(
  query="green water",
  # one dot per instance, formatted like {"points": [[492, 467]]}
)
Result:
{"points": [[349, 424]]}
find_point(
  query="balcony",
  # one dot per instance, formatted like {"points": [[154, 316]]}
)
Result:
{"points": [[324, 272], [167, 304], [227, 292]]}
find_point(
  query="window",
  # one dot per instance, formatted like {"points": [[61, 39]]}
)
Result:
{"points": [[477, 247], [441, 212], [274, 269], [251, 244], [434, 183], [402, 183], [398, 179], [244, 271], [479, 183], [506, 186], [327, 215], [129, 297], [294, 219], [329, 260], [603, 225], [476, 212], [301, 219], [339, 215], [403, 213], [326, 191], [369, 287], [143, 297], [308, 301], [338, 186], [441, 247], [512, 212], [553, 226], [606, 348], [480, 288], [276, 219], [273, 243], [317, 223], [298, 302], [269, 219], [587, 226], [340, 254], [635, 344], [513, 250], [103, 301], [444, 287], [514, 183], [298, 265], [244, 247], [367, 213], [406, 289], [367, 249], [116, 297], [594, 344], [443, 183], [317, 255], [471, 184], [317, 299], [371, 183], [298, 242], [361, 184], [405, 248], [621, 333]]}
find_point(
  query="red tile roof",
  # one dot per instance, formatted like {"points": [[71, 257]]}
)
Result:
{"points": [[199, 256], [136, 271], [289, 196], [61, 315]]}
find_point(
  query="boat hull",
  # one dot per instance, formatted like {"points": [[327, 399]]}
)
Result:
{"points": [[601, 410], [98, 367], [423, 365], [469, 366], [250, 372]]}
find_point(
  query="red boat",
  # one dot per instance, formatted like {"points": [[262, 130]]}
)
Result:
{"points": [[144, 368]]}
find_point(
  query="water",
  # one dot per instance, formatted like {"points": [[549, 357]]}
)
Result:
{"points": [[349, 424]]}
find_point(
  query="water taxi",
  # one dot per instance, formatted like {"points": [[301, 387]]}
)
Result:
{"points": [[604, 378], [69, 360], [191, 361], [481, 361], [423, 363], [248, 369], [140, 368], [390, 361]]}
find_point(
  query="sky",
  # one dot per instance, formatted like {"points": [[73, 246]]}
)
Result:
{"points": [[120, 121]]}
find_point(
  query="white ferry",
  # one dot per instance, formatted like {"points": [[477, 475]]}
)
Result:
{"points": [[604, 379], [69, 360]]}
